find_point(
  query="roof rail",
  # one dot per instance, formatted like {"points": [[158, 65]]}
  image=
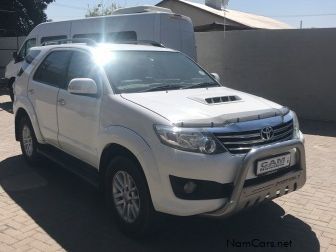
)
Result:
{"points": [[140, 42], [70, 41], [91, 42]]}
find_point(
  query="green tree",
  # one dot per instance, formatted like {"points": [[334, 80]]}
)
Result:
{"points": [[19, 17], [101, 10]]}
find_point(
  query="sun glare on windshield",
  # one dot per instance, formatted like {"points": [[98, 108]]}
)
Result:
{"points": [[103, 55]]}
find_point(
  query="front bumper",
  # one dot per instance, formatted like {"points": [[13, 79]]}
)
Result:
{"points": [[245, 195], [234, 173]]}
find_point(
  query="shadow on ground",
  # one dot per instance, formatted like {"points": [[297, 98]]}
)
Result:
{"points": [[73, 214], [6, 105]]}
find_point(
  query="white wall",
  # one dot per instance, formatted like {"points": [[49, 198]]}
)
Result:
{"points": [[293, 67], [7, 46]]}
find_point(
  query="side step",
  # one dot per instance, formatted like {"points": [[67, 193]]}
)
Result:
{"points": [[81, 169]]}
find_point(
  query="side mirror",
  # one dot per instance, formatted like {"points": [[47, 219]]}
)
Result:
{"points": [[82, 86], [216, 77]]}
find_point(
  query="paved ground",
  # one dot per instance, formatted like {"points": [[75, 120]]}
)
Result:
{"points": [[47, 209]]}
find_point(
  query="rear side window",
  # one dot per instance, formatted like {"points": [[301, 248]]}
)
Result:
{"points": [[28, 60], [52, 38], [26, 47], [122, 36], [52, 70], [110, 37], [94, 36]]}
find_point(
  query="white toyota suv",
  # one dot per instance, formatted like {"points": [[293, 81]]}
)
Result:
{"points": [[156, 131]]}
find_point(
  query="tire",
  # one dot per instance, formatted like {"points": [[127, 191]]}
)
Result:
{"points": [[28, 141], [10, 89], [132, 210]]}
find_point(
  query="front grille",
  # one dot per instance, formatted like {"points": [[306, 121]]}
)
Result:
{"points": [[242, 142]]}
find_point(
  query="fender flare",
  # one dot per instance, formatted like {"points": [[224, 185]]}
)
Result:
{"points": [[132, 141]]}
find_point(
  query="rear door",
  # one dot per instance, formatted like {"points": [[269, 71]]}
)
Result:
{"points": [[177, 32], [43, 91], [78, 115], [170, 31]]}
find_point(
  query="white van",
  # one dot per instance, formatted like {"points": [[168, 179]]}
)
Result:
{"points": [[128, 24]]}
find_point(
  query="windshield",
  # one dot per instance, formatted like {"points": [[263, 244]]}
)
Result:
{"points": [[147, 71]]}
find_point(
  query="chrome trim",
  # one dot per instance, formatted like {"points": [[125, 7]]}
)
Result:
{"points": [[239, 136], [246, 148], [259, 141], [282, 128]]}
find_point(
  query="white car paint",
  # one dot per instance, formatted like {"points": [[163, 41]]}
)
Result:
{"points": [[83, 126]]}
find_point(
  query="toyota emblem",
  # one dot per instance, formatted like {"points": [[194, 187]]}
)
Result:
{"points": [[267, 133]]}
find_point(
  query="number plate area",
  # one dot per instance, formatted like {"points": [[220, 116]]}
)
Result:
{"points": [[273, 164]]}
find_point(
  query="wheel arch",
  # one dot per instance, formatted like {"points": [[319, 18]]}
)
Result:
{"points": [[113, 150], [22, 108], [19, 115]]}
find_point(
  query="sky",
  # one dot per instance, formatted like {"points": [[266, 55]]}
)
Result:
{"points": [[312, 13]]}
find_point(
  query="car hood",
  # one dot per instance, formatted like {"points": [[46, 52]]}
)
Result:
{"points": [[205, 106]]}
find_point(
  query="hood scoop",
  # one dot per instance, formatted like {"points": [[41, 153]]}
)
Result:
{"points": [[217, 99]]}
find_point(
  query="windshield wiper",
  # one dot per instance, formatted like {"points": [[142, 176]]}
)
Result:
{"points": [[163, 87], [202, 84]]}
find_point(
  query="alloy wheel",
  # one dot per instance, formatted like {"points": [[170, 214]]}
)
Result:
{"points": [[126, 196]]}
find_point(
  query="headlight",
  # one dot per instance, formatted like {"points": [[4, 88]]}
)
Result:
{"points": [[296, 126], [188, 139]]}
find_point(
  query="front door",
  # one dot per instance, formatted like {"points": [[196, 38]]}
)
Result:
{"points": [[78, 115]]}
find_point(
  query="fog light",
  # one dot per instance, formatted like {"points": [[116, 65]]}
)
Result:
{"points": [[189, 187]]}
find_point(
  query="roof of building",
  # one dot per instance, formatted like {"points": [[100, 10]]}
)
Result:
{"points": [[247, 19]]}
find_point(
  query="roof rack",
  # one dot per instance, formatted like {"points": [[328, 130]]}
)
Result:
{"points": [[70, 41], [91, 42]]}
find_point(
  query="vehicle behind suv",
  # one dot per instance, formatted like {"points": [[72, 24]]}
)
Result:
{"points": [[125, 24], [155, 131]]}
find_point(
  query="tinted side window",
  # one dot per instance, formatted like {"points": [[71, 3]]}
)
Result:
{"points": [[122, 36], [28, 60], [52, 70], [81, 66], [98, 37], [52, 38], [30, 43], [25, 48]]}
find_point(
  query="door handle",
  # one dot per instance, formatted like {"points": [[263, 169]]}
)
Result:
{"points": [[31, 91], [61, 102]]}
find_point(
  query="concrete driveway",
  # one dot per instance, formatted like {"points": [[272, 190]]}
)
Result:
{"points": [[46, 208]]}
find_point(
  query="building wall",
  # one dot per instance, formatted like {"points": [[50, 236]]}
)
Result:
{"points": [[7, 46], [197, 16], [292, 67], [210, 51]]}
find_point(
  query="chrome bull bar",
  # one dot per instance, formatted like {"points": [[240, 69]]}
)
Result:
{"points": [[234, 203]]}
